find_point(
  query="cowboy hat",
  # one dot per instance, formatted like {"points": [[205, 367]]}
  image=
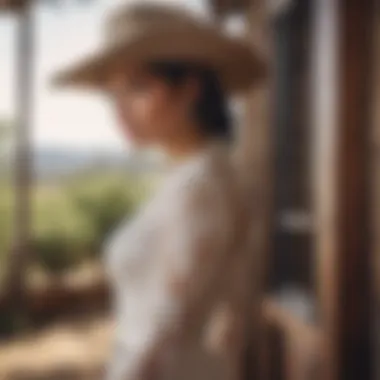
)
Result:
{"points": [[142, 33]]}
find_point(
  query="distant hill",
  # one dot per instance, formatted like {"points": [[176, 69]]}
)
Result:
{"points": [[52, 163]]}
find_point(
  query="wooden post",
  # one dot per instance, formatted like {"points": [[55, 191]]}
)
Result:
{"points": [[342, 42], [324, 94], [22, 165], [375, 189], [255, 148], [355, 322]]}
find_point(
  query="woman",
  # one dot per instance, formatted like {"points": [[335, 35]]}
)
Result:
{"points": [[176, 271]]}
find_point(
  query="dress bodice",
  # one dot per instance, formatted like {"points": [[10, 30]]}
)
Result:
{"points": [[190, 210]]}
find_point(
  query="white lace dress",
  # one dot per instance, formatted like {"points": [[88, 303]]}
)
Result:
{"points": [[171, 269]]}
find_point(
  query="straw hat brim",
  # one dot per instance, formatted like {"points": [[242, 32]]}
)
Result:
{"points": [[236, 63]]}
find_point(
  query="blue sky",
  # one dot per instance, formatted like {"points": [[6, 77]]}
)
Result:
{"points": [[63, 33]]}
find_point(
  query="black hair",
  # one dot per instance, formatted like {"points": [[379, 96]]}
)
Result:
{"points": [[211, 110]]}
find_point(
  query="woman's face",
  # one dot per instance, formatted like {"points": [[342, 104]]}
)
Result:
{"points": [[149, 110]]}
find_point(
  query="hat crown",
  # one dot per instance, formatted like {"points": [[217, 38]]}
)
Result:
{"points": [[139, 16], [145, 32]]}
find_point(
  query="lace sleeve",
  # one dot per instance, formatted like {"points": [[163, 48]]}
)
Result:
{"points": [[195, 247]]}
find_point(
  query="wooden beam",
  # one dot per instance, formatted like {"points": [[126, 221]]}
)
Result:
{"points": [[342, 31]]}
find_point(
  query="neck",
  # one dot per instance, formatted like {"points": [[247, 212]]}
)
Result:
{"points": [[181, 148]]}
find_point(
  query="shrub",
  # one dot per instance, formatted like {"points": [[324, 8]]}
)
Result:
{"points": [[104, 208], [62, 237], [57, 251], [70, 222]]}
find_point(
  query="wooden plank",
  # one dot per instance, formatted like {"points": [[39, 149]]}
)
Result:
{"points": [[342, 39], [375, 190]]}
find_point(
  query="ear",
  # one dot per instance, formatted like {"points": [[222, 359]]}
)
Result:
{"points": [[191, 89]]}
